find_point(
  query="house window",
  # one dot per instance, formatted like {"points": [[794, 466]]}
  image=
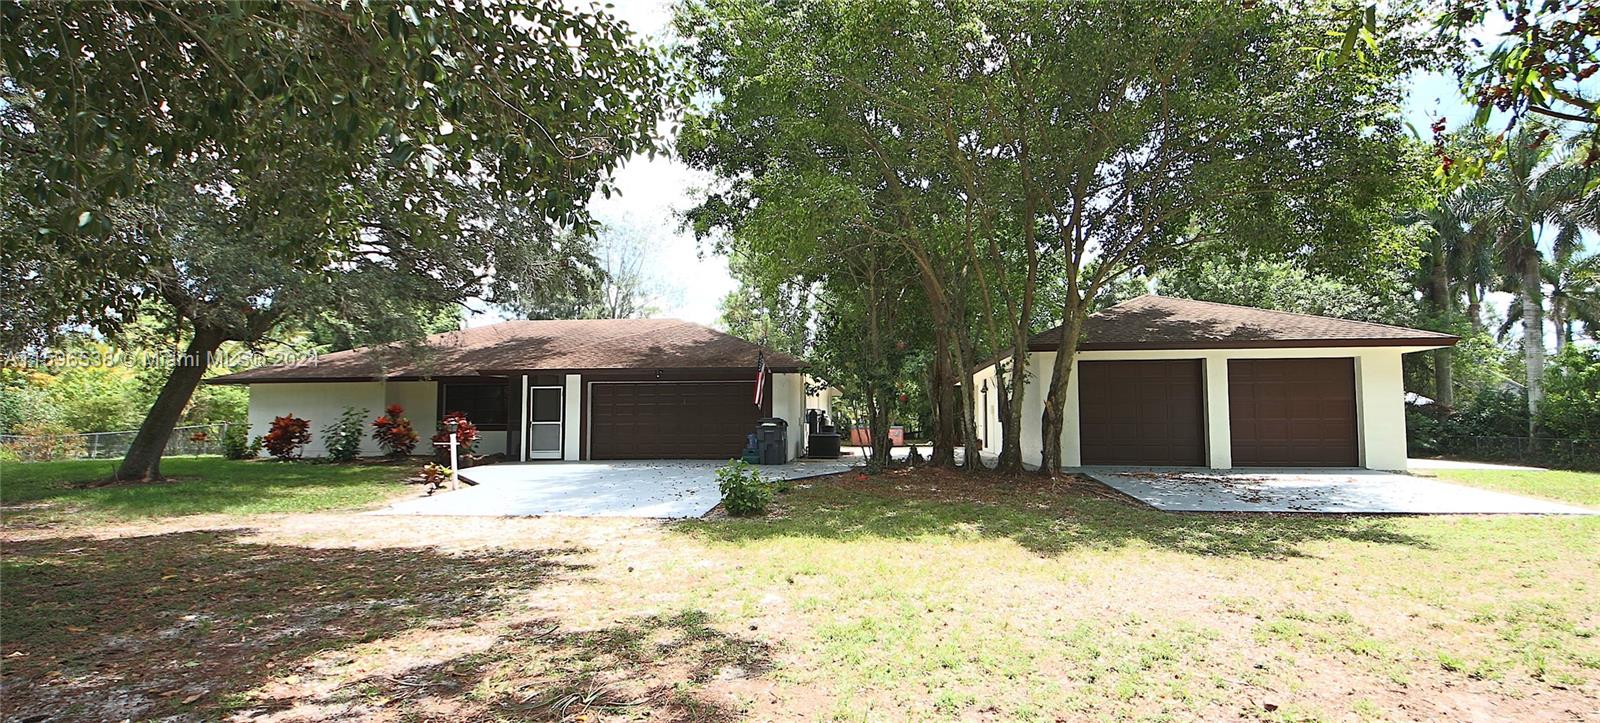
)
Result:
{"points": [[484, 404]]}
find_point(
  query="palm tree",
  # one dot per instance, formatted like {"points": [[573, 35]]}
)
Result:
{"points": [[1455, 260], [1574, 282], [1532, 188]]}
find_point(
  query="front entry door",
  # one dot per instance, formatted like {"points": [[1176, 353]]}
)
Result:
{"points": [[544, 423]]}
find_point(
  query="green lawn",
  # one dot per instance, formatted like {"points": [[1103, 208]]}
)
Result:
{"points": [[917, 595], [44, 491], [1036, 605], [1579, 488]]}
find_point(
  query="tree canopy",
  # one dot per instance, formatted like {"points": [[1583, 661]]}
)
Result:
{"points": [[984, 142], [310, 112], [251, 164]]}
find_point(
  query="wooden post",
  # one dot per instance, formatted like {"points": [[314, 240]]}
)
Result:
{"points": [[452, 457]]}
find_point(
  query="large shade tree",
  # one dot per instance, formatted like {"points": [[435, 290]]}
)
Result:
{"points": [[249, 163], [992, 140]]}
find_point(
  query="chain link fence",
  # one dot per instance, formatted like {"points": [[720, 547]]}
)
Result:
{"points": [[186, 440], [1567, 453]]}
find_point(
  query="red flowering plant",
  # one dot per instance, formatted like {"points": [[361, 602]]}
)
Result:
{"points": [[393, 432], [466, 432], [286, 436]]}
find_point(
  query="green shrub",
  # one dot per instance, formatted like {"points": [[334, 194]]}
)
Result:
{"points": [[236, 442], [343, 438], [44, 441], [1571, 408], [744, 491]]}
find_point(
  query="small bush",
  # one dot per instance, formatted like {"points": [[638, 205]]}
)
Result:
{"points": [[393, 432], [44, 441], [286, 436], [236, 443], [343, 438], [744, 491], [466, 433]]}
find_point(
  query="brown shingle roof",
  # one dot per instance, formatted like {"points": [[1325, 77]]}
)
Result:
{"points": [[534, 345], [1165, 322]]}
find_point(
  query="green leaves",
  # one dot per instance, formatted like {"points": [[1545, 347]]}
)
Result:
{"points": [[304, 111]]}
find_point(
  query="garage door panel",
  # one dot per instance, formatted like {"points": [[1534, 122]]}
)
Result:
{"points": [[1141, 412], [1293, 412], [670, 420]]}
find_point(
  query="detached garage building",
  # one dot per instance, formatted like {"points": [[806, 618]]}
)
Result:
{"points": [[1160, 381], [552, 390]]}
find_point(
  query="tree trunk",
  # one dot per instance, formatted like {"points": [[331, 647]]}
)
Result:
{"points": [[144, 455], [1010, 407], [1474, 308], [1558, 320], [1443, 303], [1533, 337], [1053, 420], [1444, 379], [961, 356], [943, 401]]}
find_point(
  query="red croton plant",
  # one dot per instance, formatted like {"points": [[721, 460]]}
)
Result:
{"points": [[393, 431], [466, 431], [286, 436]]}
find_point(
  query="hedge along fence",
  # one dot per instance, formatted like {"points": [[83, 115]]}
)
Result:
{"points": [[1565, 453], [186, 440]]}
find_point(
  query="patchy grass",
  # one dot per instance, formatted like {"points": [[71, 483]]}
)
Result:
{"points": [[40, 492], [917, 595], [1580, 488]]}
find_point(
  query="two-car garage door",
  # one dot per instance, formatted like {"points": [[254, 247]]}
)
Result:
{"points": [[1282, 412]]}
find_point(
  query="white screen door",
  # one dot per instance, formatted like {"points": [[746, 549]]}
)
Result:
{"points": [[544, 423]]}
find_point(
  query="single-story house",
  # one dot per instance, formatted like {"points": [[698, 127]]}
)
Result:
{"points": [[1162, 381], [552, 390]]}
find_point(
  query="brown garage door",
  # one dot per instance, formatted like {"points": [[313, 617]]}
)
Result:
{"points": [[1141, 412], [1293, 412], [670, 420]]}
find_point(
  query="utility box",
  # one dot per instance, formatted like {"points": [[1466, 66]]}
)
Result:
{"points": [[772, 439]]}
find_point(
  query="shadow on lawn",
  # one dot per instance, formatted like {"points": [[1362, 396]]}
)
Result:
{"points": [[635, 668], [1048, 520], [133, 627]]}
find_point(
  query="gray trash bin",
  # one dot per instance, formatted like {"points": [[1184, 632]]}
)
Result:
{"points": [[772, 438]]}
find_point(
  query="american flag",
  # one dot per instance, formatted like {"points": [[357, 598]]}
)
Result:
{"points": [[761, 374]]}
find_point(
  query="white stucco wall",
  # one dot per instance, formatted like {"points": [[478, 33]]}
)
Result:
{"points": [[988, 416], [1380, 400], [319, 403], [823, 397], [571, 417], [789, 403], [421, 402]]}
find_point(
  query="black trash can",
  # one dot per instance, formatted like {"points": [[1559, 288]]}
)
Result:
{"points": [[772, 437], [824, 445]]}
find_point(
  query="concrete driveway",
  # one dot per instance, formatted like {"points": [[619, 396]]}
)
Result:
{"points": [[1315, 491], [653, 488]]}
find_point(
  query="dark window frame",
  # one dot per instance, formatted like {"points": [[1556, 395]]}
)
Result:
{"points": [[494, 386]]}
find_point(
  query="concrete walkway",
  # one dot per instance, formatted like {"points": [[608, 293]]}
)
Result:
{"points": [[653, 488], [1314, 491]]}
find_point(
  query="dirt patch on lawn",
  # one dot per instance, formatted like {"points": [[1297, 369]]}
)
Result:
{"points": [[935, 484], [306, 617]]}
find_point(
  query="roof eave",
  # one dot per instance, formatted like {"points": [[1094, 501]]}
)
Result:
{"points": [[1430, 342]]}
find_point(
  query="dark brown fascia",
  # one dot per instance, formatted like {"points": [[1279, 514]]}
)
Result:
{"points": [[1444, 340], [505, 373]]}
